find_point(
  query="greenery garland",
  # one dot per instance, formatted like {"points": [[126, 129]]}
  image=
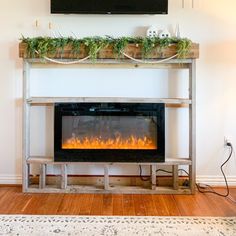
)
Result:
{"points": [[44, 46]]}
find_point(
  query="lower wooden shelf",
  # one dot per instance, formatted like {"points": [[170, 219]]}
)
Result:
{"points": [[111, 190], [50, 160], [106, 187]]}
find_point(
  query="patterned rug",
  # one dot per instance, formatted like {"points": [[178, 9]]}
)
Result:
{"points": [[23, 225]]}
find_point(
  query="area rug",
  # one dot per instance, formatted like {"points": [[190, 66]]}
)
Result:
{"points": [[23, 225]]}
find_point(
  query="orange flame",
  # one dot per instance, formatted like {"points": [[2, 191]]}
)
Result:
{"points": [[131, 142]]}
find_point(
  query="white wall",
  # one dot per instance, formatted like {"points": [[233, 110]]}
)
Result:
{"points": [[211, 23]]}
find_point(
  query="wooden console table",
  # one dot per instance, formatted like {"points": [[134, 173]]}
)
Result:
{"points": [[29, 101]]}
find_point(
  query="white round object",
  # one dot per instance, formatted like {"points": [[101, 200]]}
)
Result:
{"points": [[164, 34]]}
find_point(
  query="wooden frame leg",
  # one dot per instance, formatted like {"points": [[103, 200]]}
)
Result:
{"points": [[154, 176], [28, 175], [175, 177], [192, 180], [42, 176], [63, 176], [106, 177]]}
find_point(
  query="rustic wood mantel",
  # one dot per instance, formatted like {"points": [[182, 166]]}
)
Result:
{"points": [[133, 50]]}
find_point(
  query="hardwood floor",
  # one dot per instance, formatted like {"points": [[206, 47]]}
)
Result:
{"points": [[13, 201]]}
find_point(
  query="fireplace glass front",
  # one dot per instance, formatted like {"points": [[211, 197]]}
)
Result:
{"points": [[109, 132]]}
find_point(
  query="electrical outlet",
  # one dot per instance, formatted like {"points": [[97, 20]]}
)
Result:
{"points": [[227, 140]]}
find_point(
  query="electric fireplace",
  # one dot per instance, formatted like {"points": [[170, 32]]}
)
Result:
{"points": [[109, 132]]}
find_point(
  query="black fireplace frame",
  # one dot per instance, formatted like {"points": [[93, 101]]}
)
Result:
{"points": [[109, 155]]}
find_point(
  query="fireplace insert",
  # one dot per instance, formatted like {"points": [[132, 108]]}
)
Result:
{"points": [[109, 132]]}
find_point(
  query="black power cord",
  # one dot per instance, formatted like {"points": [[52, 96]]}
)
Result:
{"points": [[222, 171], [162, 170], [226, 195]]}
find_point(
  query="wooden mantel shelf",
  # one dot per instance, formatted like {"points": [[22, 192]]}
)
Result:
{"points": [[132, 50], [52, 100]]}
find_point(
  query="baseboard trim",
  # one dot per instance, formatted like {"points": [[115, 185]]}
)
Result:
{"points": [[205, 179], [216, 180], [11, 179]]}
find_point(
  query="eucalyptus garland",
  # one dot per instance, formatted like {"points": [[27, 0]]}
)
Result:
{"points": [[48, 46], [94, 45]]}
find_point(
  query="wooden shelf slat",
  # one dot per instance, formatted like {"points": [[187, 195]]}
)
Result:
{"points": [[113, 189], [52, 100], [40, 160], [168, 161]]}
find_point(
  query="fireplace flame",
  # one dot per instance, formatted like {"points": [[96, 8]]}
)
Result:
{"points": [[131, 142]]}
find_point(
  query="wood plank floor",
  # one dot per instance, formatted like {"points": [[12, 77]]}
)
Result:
{"points": [[13, 201]]}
